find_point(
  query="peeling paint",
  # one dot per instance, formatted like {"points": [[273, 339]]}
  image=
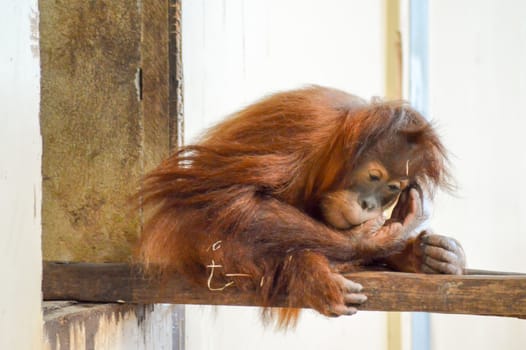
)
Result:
{"points": [[109, 326], [34, 22]]}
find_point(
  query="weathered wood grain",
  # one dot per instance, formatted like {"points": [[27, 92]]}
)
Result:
{"points": [[498, 295]]}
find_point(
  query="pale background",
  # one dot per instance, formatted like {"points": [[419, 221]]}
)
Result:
{"points": [[477, 95], [234, 52]]}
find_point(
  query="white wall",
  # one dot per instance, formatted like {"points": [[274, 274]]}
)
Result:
{"points": [[237, 51], [20, 184], [478, 91]]}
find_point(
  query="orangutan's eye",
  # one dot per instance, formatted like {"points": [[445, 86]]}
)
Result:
{"points": [[375, 175], [393, 187]]}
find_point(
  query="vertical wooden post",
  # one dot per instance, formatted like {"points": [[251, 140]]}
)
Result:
{"points": [[393, 91]]}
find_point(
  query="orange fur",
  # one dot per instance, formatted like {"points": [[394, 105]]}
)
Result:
{"points": [[252, 186]]}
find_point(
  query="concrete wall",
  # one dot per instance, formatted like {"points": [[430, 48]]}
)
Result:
{"points": [[105, 121], [478, 89], [91, 127], [20, 181], [237, 51]]}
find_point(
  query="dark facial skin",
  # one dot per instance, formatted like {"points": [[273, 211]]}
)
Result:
{"points": [[372, 190], [359, 209]]}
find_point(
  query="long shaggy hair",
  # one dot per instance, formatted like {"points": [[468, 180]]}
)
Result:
{"points": [[272, 161]]}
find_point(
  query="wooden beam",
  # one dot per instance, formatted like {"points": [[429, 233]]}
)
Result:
{"points": [[495, 294]]}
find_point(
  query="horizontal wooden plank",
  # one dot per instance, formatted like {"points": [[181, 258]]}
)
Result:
{"points": [[488, 294]]}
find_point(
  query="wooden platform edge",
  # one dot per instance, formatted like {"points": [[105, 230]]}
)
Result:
{"points": [[489, 294]]}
